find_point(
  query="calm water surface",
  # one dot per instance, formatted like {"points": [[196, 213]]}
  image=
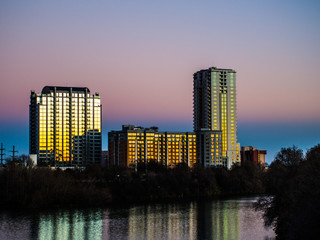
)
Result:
{"points": [[216, 220]]}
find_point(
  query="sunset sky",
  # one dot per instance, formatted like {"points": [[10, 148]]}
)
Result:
{"points": [[141, 55]]}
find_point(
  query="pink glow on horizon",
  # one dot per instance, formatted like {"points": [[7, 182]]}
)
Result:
{"points": [[142, 61]]}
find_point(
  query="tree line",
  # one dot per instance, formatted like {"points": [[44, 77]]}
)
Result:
{"points": [[293, 184], [26, 186]]}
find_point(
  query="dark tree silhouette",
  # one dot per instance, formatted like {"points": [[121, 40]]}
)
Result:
{"points": [[27, 186], [294, 182], [290, 156]]}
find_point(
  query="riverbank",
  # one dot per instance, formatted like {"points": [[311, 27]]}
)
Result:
{"points": [[23, 187]]}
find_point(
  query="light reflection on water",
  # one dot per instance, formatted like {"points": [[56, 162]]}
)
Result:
{"points": [[219, 219]]}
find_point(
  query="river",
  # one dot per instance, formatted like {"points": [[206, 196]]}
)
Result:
{"points": [[213, 220]]}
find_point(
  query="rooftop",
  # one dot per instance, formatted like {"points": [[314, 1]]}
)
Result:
{"points": [[48, 89]]}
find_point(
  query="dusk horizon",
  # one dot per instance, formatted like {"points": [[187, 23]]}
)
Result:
{"points": [[141, 59], [159, 119]]}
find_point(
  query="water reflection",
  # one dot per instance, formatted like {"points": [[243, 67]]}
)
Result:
{"points": [[68, 225], [173, 221], [228, 219], [218, 220]]}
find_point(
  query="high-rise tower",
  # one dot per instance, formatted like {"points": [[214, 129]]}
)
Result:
{"points": [[215, 108], [65, 126]]}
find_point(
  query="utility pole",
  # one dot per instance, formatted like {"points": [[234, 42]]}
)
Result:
{"points": [[13, 151], [2, 154]]}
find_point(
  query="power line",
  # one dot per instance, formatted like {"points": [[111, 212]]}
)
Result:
{"points": [[13, 152]]}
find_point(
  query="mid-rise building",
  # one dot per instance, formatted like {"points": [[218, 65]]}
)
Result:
{"points": [[215, 109], [65, 126], [135, 145]]}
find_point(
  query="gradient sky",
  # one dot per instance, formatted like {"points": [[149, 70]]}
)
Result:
{"points": [[141, 55]]}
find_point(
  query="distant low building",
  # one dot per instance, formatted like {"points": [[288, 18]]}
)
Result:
{"points": [[258, 157]]}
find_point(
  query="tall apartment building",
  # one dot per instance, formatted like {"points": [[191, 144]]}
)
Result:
{"points": [[65, 126], [133, 145], [215, 108]]}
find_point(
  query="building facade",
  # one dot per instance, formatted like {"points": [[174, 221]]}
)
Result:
{"points": [[133, 145], [252, 154], [65, 127], [209, 148], [215, 109]]}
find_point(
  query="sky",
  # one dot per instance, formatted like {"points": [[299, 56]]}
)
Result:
{"points": [[141, 55]]}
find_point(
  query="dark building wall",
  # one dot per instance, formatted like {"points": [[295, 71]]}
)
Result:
{"points": [[33, 124], [253, 155], [117, 146]]}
